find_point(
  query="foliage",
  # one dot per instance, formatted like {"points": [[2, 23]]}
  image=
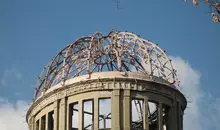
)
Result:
{"points": [[214, 6]]}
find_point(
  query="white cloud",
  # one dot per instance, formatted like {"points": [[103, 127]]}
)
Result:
{"points": [[203, 112], [12, 116], [189, 79]]}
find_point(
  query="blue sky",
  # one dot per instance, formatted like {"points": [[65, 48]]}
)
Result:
{"points": [[33, 31]]}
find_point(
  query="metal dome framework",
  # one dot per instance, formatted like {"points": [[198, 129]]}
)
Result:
{"points": [[117, 51]]}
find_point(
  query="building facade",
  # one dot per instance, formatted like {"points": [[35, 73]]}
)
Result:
{"points": [[97, 85]]}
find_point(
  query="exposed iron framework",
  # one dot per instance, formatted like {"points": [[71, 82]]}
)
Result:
{"points": [[117, 51]]}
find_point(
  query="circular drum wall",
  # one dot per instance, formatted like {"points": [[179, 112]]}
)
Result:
{"points": [[109, 100]]}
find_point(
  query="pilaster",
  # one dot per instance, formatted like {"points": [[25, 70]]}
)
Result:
{"points": [[127, 109], [115, 109]]}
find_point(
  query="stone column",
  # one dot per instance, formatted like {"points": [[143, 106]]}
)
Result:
{"points": [[56, 115], [145, 113], [80, 116], [40, 124], [69, 116], [160, 116], [115, 109], [181, 120], [32, 123], [62, 114], [96, 113], [179, 116], [169, 118], [46, 121], [172, 117], [175, 118], [127, 109]]}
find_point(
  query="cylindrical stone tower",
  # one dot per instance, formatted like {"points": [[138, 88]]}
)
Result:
{"points": [[117, 81]]}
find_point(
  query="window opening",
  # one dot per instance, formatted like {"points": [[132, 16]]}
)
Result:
{"points": [[152, 115], [50, 120], [137, 114], [105, 114], [73, 116], [88, 115], [43, 122]]}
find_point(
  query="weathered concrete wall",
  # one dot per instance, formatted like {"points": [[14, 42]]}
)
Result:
{"points": [[121, 88]]}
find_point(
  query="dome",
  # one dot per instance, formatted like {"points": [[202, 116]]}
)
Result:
{"points": [[116, 51]]}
